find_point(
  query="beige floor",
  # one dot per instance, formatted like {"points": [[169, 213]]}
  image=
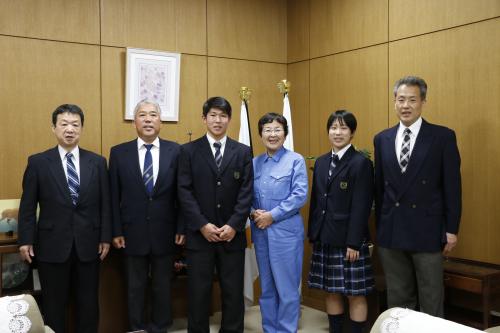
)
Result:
{"points": [[311, 321]]}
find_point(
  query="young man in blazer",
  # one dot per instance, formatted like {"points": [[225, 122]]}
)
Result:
{"points": [[215, 185], [73, 230], [418, 201], [143, 175]]}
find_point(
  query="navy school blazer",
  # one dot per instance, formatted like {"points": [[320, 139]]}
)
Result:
{"points": [[415, 210], [209, 195], [340, 207]]}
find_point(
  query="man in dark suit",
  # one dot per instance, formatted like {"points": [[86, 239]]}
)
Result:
{"points": [[73, 230], [215, 190], [143, 175], [418, 201]]}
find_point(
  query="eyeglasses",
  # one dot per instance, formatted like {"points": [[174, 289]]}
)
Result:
{"points": [[269, 131]]}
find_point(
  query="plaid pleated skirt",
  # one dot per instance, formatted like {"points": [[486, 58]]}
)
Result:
{"points": [[330, 271]]}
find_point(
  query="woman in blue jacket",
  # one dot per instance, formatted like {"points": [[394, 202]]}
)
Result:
{"points": [[341, 201], [280, 190]]}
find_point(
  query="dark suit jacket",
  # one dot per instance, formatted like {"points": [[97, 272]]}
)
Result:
{"points": [[219, 197], [61, 223], [414, 210], [340, 207], [149, 224]]}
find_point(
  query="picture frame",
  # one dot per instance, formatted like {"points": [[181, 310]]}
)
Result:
{"points": [[153, 75]]}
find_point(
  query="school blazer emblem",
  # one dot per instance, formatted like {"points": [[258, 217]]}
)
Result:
{"points": [[343, 185], [236, 175]]}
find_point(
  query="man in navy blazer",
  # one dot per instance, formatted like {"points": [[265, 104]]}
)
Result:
{"points": [[418, 201], [146, 224], [73, 229], [215, 190]]}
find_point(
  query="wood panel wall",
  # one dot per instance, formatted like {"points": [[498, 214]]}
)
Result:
{"points": [[250, 30], [37, 76], [61, 20], [358, 49], [56, 51], [174, 25]]}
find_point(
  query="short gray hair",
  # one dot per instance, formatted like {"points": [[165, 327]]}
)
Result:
{"points": [[412, 81], [146, 101]]}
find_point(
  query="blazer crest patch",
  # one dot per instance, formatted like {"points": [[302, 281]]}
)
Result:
{"points": [[236, 175], [343, 185]]}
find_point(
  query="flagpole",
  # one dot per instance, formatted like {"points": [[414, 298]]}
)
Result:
{"points": [[248, 121], [245, 94], [251, 270], [284, 87]]}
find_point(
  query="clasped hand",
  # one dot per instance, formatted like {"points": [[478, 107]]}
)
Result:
{"points": [[262, 218], [212, 233]]}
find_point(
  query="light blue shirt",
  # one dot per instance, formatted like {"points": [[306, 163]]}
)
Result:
{"points": [[280, 183]]}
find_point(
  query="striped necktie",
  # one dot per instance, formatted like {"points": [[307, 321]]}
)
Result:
{"points": [[147, 174], [218, 155], [404, 157], [73, 181], [333, 163]]}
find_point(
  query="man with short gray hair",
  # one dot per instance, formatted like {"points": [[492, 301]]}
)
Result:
{"points": [[143, 175], [418, 201]]}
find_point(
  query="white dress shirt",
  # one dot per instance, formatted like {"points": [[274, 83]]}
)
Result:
{"points": [[155, 154], [341, 151], [222, 142], [75, 159], [414, 128]]}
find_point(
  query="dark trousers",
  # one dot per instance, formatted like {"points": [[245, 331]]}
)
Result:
{"points": [[201, 266], [139, 268], [411, 274], [57, 279]]}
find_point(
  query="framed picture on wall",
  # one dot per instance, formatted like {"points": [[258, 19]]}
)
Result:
{"points": [[153, 75]]}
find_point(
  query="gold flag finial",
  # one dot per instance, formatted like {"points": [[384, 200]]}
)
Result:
{"points": [[245, 94], [284, 86]]}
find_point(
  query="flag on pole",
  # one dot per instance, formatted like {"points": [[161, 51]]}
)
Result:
{"points": [[251, 269], [287, 113], [244, 136]]}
